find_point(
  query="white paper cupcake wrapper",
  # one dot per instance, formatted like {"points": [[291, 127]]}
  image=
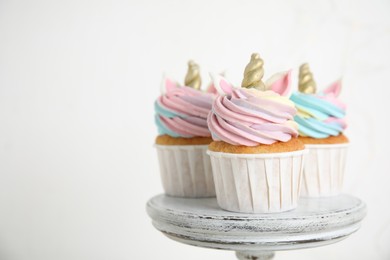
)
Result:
{"points": [[257, 183], [323, 172], [186, 170]]}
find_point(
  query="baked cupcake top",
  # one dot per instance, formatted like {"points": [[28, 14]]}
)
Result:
{"points": [[322, 114], [257, 113], [181, 111]]}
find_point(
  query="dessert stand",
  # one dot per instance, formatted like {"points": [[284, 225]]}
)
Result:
{"points": [[200, 222]]}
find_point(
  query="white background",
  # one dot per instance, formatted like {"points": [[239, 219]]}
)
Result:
{"points": [[77, 85]]}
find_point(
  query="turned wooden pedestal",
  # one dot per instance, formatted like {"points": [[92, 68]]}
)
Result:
{"points": [[200, 222]]}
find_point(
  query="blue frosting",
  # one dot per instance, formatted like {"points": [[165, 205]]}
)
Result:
{"points": [[162, 129], [319, 110], [162, 111]]}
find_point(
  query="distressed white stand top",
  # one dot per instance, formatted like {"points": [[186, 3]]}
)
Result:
{"points": [[200, 222]]}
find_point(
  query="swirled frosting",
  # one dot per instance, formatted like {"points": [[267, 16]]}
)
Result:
{"points": [[320, 115], [251, 117], [182, 112]]}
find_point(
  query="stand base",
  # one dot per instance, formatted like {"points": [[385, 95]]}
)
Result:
{"points": [[264, 255]]}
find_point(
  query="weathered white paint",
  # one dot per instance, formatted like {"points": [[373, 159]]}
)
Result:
{"points": [[200, 222]]}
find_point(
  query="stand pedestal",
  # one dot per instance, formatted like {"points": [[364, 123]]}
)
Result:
{"points": [[255, 255], [200, 222]]}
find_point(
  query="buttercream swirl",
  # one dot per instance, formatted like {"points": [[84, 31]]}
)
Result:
{"points": [[182, 112], [320, 115], [251, 117]]}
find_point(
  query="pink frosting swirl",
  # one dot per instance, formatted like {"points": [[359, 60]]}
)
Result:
{"points": [[251, 117], [182, 112]]}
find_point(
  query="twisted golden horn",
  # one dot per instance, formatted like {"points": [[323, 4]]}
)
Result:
{"points": [[306, 84], [253, 73], [192, 78]]}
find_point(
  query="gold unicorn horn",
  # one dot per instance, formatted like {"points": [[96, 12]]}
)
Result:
{"points": [[306, 84], [253, 73], [193, 79]]}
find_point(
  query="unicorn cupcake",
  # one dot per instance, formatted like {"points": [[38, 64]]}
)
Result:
{"points": [[321, 121], [256, 156], [181, 119]]}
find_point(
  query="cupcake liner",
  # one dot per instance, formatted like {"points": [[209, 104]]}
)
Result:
{"points": [[186, 170], [323, 172], [257, 183]]}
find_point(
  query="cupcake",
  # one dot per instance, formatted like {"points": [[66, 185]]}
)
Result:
{"points": [[181, 119], [321, 123], [256, 158]]}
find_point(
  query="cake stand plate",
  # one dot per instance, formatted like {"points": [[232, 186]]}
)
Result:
{"points": [[200, 222]]}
